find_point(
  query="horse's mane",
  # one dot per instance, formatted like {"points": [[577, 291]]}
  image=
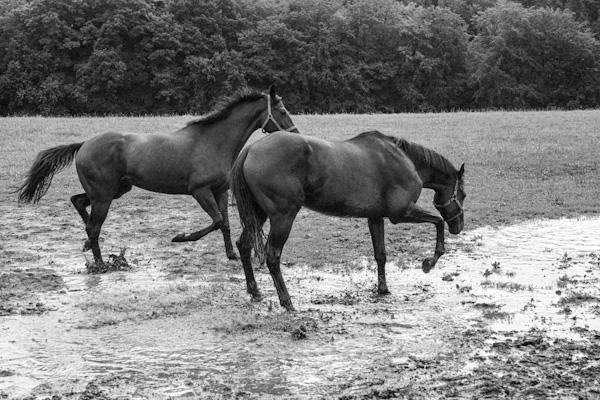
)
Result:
{"points": [[421, 155], [225, 105]]}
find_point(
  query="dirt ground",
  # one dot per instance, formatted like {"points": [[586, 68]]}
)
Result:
{"points": [[511, 311], [177, 323]]}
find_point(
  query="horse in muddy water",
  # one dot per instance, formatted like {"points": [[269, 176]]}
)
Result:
{"points": [[372, 176], [195, 160]]}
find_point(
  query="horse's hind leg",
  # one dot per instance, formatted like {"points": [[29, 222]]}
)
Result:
{"points": [[281, 226], [376, 228], [244, 246], [223, 202], [80, 202], [97, 218]]}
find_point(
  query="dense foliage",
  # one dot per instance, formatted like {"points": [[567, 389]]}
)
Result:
{"points": [[177, 56]]}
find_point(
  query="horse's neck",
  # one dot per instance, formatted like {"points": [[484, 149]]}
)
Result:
{"points": [[234, 131], [431, 177]]}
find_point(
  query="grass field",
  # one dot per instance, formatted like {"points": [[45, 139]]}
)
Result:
{"points": [[179, 322], [520, 165]]}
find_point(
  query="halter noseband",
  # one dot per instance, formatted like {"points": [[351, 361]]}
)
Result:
{"points": [[453, 199], [272, 119]]}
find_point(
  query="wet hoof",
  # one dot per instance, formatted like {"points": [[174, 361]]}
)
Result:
{"points": [[256, 297], [179, 238], [289, 307], [428, 265], [383, 291], [86, 246]]}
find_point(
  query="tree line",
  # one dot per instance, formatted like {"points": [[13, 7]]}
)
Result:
{"points": [[75, 57]]}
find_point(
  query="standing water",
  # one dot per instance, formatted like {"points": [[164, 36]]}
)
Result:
{"points": [[165, 332]]}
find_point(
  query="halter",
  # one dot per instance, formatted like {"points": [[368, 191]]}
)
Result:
{"points": [[453, 199], [272, 119]]}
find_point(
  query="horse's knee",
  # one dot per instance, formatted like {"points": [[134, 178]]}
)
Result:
{"points": [[381, 259]]}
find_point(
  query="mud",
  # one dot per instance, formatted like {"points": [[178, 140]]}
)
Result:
{"points": [[507, 313]]}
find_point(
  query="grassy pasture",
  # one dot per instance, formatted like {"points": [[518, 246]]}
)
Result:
{"points": [[520, 165]]}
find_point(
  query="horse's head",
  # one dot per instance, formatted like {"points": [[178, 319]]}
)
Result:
{"points": [[276, 118], [449, 202]]}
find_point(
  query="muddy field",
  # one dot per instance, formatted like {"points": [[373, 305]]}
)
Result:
{"points": [[512, 311]]}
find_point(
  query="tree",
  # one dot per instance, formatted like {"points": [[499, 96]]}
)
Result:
{"points": [[533, 57]]}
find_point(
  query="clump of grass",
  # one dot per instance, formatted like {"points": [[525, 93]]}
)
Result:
{"points": [[510, 286], [497, 314], [565, 262], [564, 280], [145, 304], [114, 263], [578, 298], [495, 269]]}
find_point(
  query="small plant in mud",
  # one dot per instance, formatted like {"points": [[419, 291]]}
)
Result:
{"points": [[114, 263], [565, 262], [578, 298], [564, 280], [595, 259], [495, 269], [510, 286]]}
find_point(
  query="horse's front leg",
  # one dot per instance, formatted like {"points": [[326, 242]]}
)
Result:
{"points": [[376, 228], [205, 197], [416, 214]]}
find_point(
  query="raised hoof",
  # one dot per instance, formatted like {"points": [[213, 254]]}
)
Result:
{"points": [[179, 238], [86, 246], [428, 265]]}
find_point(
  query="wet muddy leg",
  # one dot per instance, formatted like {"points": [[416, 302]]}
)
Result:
{"points": [[223, 201], [97, 218], [278, 235], [376, 228], [244, 246]]}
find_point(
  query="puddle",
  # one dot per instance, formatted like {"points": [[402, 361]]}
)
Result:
{"points": [[181, 332]]}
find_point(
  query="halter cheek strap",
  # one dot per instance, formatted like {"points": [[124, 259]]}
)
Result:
{"points": [[453, 199], [273, 120]]}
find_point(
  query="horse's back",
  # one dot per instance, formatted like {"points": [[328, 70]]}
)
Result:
{"points": [[353, 177]]}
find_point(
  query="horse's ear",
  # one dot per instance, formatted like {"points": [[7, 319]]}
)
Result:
{"points": [[461, 171], [272, 91]]}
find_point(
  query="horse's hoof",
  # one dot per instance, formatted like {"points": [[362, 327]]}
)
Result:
{"points": [[86, 246], [232, 256], [256, 297], [289, 307], [179, 238], [428, 265], [383, 292]]}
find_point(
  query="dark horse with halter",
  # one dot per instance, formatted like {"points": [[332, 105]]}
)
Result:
{"points": [[195, 160], [371, 176]]}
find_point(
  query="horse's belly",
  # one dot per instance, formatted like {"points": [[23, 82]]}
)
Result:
{"points": [[360, 207], [168, 184]]}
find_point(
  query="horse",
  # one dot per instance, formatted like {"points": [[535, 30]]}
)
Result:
{"points": [[195, 160], [371, 176]]}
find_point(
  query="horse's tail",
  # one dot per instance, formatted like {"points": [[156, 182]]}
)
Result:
{"points": [[248, 209], [46, 164]]}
